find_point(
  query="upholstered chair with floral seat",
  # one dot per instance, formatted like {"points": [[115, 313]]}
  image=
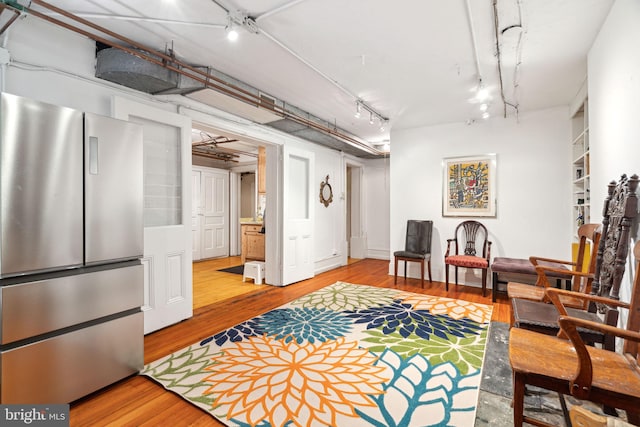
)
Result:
{"points": [[470, 248]]}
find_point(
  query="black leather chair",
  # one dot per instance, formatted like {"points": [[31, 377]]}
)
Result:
{"points": [[417, 248]]}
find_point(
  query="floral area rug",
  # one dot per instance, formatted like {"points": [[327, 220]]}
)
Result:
{"points": [[344, 356]]}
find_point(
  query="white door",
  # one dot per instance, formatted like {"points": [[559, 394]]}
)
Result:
{"points": [[298, 215], [195, 216], [214, 216], [167, 256]]}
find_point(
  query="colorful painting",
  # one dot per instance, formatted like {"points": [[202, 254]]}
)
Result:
{"points": [[469, 186]]}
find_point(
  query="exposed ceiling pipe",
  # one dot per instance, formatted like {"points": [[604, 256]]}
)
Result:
{"points": [[143, 19], [171, 63], [500, 35], [472, 31], [278, 9], [15, 16], [498, 56]]}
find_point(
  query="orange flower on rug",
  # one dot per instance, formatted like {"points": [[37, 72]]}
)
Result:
{"points": [[345, 355]]}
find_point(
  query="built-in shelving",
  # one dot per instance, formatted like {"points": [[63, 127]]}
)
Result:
{"points": [[580, 167]]}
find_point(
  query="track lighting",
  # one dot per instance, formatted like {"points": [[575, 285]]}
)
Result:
{"points": [[373, 114], [232, 33], [484, 107]]}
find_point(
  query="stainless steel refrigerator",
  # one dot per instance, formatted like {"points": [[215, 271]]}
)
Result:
{"points": [[71, 239]]}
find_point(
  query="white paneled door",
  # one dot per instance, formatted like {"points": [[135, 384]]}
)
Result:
{"points": [[298, 212], [210, 213], [168, 287]]}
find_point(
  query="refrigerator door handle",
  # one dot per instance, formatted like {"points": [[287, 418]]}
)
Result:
{"points": [[93, 155]]}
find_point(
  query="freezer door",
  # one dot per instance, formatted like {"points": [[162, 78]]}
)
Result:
{"points": [[113, 189], [40, 186]]}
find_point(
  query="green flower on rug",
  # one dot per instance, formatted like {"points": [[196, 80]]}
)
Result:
{"points": [[465, 353], [343, 296], [182, 371]]}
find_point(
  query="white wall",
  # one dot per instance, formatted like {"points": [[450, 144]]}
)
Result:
{"points": [[614, 102], [376, 207], [533, 190]]}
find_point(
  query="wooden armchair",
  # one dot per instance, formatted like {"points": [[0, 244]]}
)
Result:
{"points": [[588, 234], [468, 236], [620, 208], [567, 365]]}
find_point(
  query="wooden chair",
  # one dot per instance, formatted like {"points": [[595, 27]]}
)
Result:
{"points": [[546, 268], [417, 248], [620, 208], [567, 365], [468, 236], [582, 417]]}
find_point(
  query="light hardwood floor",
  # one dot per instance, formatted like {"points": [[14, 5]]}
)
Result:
{"points": [[211, 286], [138, 401]]}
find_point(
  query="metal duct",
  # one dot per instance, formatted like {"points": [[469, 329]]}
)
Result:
{"points": [[121, 67]]}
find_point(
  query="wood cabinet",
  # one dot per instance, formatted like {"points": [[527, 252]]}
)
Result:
{"points": [[262, 170], [252, 242], [581, 185]]}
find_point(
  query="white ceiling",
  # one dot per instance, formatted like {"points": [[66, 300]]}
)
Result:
{"points": [[412, 61]]}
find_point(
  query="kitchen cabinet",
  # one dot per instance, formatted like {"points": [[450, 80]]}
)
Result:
{"points": [[252, 242]]}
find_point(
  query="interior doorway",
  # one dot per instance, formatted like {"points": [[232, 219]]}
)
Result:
{"points": [[355, 235]]}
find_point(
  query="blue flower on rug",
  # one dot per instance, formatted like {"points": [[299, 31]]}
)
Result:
{"points": [[309, 324], [421, 393], [236, 333], [402, 318]]}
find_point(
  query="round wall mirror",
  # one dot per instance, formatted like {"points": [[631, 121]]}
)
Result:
{"points": [[326, 193]]}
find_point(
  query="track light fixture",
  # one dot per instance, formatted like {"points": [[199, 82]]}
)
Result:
{"points": [[238, 19], [373, 114], [232, 33]]}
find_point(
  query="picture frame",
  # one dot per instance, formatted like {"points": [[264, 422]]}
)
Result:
{"points": [[469, 186]]}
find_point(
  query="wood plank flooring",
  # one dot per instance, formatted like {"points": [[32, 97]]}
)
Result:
{"points": [[138, 401], [211, 285]]}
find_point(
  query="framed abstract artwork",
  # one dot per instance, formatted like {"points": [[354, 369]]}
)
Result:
{"points": [[469, 186]]}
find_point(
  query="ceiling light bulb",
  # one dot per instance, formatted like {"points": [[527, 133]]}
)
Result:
{"points": [[232, 34], [482, 94], [371, 119], [486, 115], [383, 125], [357, 110], [483, 107]]}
